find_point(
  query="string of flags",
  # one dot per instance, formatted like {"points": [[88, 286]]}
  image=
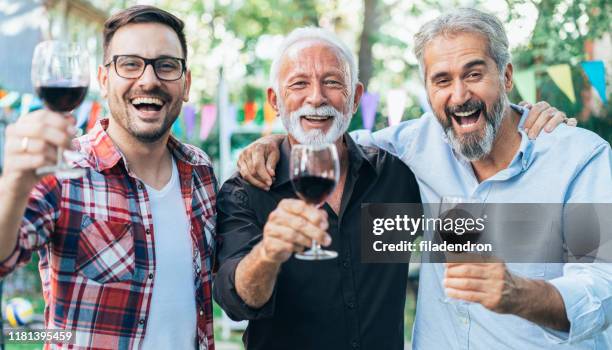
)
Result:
{"points": [[262, 117], [561, 75]]}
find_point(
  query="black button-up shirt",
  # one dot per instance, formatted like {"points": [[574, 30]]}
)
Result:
{"points": [[331, 304]]}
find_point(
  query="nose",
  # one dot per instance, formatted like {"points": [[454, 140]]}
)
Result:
{"points": [[316, 96], [460, 93], [148, 79]]}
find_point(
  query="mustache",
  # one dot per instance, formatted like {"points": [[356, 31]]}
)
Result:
{"points": [[156, 92], [467, 106], [321, 111]]}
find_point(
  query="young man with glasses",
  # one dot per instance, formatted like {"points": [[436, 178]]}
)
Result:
{"points": [[126, 251]]}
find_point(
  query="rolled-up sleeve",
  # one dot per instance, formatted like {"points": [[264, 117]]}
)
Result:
{"points": [[37, 224], [240, 231], [586, 290]]}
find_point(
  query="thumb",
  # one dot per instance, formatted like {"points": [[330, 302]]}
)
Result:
{"points": [[273, 158]]}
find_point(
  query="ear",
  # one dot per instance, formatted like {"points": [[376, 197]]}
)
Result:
{"points": [[103, 80], [358, 93], [272, 99], [508, 77], [187, 85]]}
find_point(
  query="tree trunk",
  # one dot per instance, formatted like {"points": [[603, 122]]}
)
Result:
{"points": [[370, 17]]}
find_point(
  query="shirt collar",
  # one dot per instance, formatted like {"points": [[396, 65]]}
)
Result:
{"points": [[101, 153], [523, 157], [357, 158]]}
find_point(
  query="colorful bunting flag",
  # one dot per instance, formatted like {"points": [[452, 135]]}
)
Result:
{"points": [[396, 103], [369, 103], [596, 73], [250, 111], [562, 76], [189, 117], [269, 114], [208, 117], [94, 114], [525, 83], [177, 129]]}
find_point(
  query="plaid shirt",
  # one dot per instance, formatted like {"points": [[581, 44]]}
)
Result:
{"points": [[95, 240]]}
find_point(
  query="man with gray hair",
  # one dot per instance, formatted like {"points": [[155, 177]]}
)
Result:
{"points": [[296, 304], [474, 138]]}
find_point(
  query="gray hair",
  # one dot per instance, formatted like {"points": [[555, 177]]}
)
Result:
{"points": [[318, 34], [465, 20]]}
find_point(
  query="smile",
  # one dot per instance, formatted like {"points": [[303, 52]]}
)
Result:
{"points": [[467, 119], [147, 103], [317, 118]]}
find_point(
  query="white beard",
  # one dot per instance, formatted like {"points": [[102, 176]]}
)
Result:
{"points": [[315, 136]]}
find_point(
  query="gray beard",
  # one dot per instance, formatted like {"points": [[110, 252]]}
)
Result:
{"points": [[472, 146], [314, 137]]}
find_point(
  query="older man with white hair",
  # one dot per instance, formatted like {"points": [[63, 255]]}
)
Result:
{"points": [[296, 304], [473, 140]]}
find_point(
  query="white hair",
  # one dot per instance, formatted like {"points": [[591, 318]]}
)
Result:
{"points": [[316, 34]]}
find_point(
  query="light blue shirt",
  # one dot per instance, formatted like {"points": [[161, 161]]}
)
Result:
{"points": [[569, 165]]}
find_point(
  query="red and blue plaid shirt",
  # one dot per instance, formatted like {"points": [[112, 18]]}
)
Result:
{"points": [[97, 254]]}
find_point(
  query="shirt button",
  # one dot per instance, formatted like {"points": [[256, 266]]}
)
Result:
{"points": [[464, 320], [201, 312], [140, 186], [355, 344], [141, 321], [147, 231], [150, 276], [351, 304], [346, 264]]}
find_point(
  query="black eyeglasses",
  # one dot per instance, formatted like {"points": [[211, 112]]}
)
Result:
{"points": [[133, 67]]}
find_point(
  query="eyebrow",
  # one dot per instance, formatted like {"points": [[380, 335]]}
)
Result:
{"points": [[470, 64]]}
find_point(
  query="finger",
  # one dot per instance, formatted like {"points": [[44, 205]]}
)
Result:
{"points": [[258, 163], [272, 160], [278, 246], [558, 118], [27, 162], [287, 234], [309, 212], [525, 104], [473, 296], [302, 226], [247, 173], [543, 118], [572, 122], [50, 134], [534, 113], [465, 271], [473, 284]]}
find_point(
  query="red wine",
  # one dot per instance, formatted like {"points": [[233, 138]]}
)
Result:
{"points": [[313, 189], [62, 98]]}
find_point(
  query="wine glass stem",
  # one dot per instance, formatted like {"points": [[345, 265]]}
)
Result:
{"points": [[316, 247]]}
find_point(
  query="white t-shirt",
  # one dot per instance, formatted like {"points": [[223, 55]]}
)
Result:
{"points": [[172, 320]]}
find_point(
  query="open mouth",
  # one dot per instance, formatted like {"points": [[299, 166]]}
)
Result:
{"points": [[468, 118], [317, 118], [148, 104]]}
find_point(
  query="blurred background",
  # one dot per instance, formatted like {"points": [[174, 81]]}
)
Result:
{"points": [[562, 54]]}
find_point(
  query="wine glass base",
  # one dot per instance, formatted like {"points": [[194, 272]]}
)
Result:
{"points": [[319, 254]]}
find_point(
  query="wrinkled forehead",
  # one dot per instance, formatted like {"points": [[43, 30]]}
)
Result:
{"points": [[313, 53]]}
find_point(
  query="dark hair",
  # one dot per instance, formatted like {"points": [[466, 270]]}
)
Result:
{"points": [[143, 14]]}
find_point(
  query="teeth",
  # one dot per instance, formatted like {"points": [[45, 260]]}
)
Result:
{"points": [[148, 100], [465, 114], [316, 117]]}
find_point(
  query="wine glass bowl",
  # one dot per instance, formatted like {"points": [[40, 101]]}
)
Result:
{"points": [[60, 76]]}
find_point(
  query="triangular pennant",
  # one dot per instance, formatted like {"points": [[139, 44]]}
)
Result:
{"points": [[525, 83], [562, 76], [269, 114], [208, 117], [596, 72], [94, 114], [369, 103], [189, 117], [396, 103], [177, 129], [250, 111]]}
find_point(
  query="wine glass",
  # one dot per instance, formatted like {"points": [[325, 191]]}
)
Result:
{"points": [[454, 207], [315, 171], [60, 75]]}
